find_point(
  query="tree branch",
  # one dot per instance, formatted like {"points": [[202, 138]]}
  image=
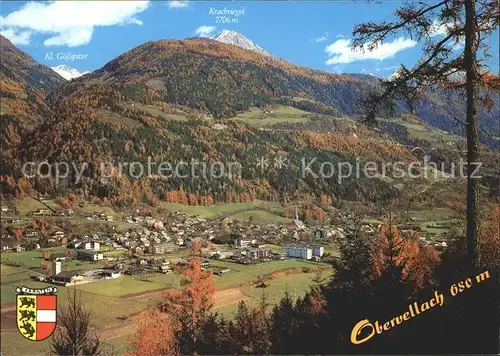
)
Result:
{"points": [[366, 32]]}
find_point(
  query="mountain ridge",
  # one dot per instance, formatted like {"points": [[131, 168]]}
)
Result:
{"points": [[160, 100], [237, 39], [19, 66], [67, 72], [224, 78]]}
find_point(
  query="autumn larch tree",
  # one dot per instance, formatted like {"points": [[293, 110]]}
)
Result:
{"points": [[155, 335], [189, 308], [441, 67]]}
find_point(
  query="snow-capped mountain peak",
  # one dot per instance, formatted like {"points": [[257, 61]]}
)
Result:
{"points": [[66, 72], [237, 39]]}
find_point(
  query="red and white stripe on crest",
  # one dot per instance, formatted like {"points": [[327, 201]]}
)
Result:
{"points": [[46, 306]]}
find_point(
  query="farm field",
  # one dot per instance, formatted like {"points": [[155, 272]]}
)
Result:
{"points": [[106, 312], [32, 259], [241, 274], [25, 205], [13, 277], [29, 258], [17, 345], [277, 115], [109, 303], [434, 224], [296, 284], [424, 132], [214, 211], [119, 345], [127, 285], [113, 303], [260, 217]]}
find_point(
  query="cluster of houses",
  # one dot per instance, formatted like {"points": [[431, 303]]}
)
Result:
{"points": [[49, 212], [154, 236], [144, 240], [93, 215], [84, 250], [151, 239]]}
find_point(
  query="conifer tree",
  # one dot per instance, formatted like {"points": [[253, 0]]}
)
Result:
{"points": [[283, 326], [75, 334], [441, 27]]}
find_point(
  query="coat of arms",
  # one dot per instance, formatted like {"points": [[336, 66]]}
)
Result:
{"points": [[36, 312]]}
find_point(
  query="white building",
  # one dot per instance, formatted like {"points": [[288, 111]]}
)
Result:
{"points": [[56, 268], [318, 251], [58, 234], [89, 255], [30, 232], [87, 245], [242, 242], [298, 252], [110, 274]]}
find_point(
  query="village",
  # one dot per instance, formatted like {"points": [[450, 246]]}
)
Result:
{"points": [[159, 244], [150, 243]]}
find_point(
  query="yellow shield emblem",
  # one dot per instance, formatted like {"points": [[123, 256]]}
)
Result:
{"points": [[36, 315]]}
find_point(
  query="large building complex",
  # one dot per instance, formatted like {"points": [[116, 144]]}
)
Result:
{"points": [[302, 252]]}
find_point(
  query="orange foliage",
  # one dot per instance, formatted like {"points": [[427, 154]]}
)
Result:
{"points": [[325, 200], [18, 234], [387, 248], [193, 200], [63, 202], [155, 335], [491, 81], [418, 262], [68, 202], [41, 224], [223, 52], [199, 287], [318, 306], [368, 149], [156, 331], [179, 196]]}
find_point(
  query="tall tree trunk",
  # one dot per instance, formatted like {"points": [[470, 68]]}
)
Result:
{"points": [[470, 58]]}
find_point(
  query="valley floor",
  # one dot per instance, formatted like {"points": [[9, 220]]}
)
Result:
{"points": [[115, 326]]}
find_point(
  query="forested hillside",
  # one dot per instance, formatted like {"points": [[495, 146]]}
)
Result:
{"points": [[174, 101], [222, 79], [25, 87], [102, 125]]}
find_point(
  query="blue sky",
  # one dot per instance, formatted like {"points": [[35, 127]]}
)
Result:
{"points": [[312, 34]]}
